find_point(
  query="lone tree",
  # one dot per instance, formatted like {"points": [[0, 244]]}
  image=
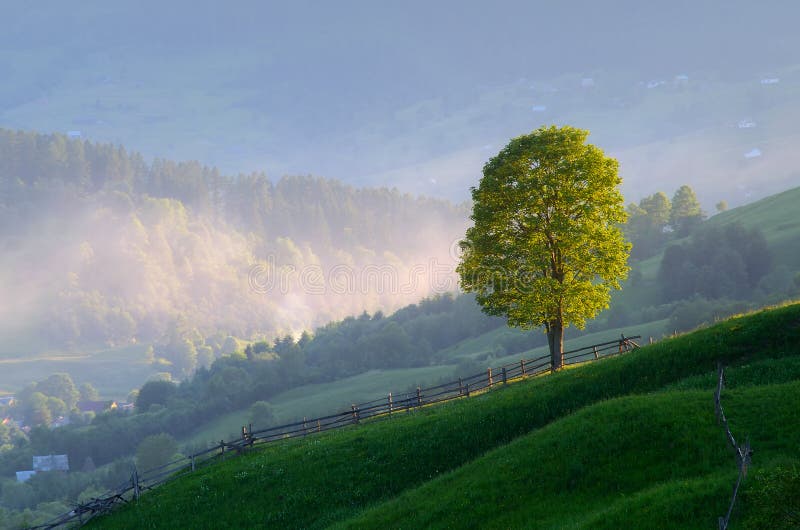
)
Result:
{"points": [[546, 247]]}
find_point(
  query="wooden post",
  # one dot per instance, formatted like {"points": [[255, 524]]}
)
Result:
{"points": [[489, 376], [193, 466], [594, 351], [505, 380], [651, 339], [419, 397], [305, 426], [319, 426], [244, 434], [460, 387], [135, 481], [355, 413], [522, 366], [222, 447], [391, 405], [467, 388]]}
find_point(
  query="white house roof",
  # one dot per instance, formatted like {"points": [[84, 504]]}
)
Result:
{"points": [[23, 476], [753, 153], [51, 463]]}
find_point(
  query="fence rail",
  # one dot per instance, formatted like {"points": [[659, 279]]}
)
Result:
{"points": [[383, 407]]}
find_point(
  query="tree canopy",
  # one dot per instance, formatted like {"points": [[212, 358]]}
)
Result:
{"points": [[545, 247], [686, 213]]}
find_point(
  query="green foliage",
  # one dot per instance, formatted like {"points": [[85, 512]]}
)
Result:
{"points": [[646, 224], [154, 393], [545, 248], [685, 214], [88, 392], [60, 386], [155, 451], [773, 499], [262, 415], [716, 262]]}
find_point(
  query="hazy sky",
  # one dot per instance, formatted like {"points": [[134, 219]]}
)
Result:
{"points": [[412, 94]]}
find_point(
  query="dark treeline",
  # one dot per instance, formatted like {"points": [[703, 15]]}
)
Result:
{"points": [[34, 166], [727, 262], [101, 247]]}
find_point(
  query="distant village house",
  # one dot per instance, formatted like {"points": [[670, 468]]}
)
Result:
{"points": [[44, 463], [50, 463]]}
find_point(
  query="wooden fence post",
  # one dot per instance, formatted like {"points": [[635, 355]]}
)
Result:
{"points": [[467, 389], [505, 379], [419, 397], [319, 426], [460, 387], [305, 426], [522, 366], [391, 405], [193, 466], [594, 351], [489, 376], [222, 447], [355, 413], [135, 481]]}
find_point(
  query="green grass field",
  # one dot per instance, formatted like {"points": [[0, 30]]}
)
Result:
{"points": [[114, 372], [777, 217], [606, 444], [326, 398], [320, 399]]}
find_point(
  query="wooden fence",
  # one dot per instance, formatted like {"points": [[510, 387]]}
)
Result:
{"points": [[743, 452], [383, 407]]}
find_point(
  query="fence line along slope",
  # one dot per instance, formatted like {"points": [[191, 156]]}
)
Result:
{"points": [[318, 481]]}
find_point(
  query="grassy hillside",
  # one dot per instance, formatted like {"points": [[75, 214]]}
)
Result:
{"points": [[653, 461], [604, 442], [114, 372], [316, 400], [775, 216], [464, 358]]}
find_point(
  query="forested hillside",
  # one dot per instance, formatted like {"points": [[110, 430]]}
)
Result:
{"points": [[100, 247]]}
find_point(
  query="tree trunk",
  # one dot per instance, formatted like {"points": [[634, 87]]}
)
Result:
{"points": [[555, 340]]}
